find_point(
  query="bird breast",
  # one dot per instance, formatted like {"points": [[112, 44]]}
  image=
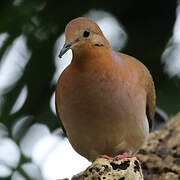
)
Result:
{"points": [[95, 104]]}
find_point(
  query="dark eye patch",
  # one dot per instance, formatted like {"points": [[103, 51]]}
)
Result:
{"points": [[86, 33]]}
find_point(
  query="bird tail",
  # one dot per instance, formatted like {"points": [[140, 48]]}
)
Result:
{"points": [[160, 119]]}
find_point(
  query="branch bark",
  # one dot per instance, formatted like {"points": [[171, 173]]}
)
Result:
{"points": [[160, 156], [103, 169]]}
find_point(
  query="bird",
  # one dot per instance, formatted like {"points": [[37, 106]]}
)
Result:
{"points": [[105, 100]]}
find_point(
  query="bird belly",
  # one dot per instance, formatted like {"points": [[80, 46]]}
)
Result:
{"points": [[109, 136]]}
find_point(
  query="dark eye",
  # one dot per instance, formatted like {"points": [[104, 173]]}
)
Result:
{"points": [[86, 33]]}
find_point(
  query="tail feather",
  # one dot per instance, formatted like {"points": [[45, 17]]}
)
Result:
{"points": [[160, 119]]}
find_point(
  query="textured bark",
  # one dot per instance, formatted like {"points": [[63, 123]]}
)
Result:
{"points": [[160, 156], [103, 169]]}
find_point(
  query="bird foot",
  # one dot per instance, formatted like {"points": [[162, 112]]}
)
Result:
{"points": [[107, 157], [118, 157], [123, 156]]}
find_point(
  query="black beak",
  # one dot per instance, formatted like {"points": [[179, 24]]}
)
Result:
{"points": [[65, 48]]}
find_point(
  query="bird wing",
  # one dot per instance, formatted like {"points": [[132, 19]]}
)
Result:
{"points": [[150, 102], [147, 82]]}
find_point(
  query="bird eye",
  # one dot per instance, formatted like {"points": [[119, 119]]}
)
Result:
{"points": [[86, 33]]}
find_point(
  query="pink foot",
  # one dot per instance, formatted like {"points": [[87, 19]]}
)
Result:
{"points": [[123, 156], [107, 157]]}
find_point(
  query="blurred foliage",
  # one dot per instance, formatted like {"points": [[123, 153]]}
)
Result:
{"points": [[148, 24]]}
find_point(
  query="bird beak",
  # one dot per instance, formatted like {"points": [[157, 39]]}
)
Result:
{"points": [[65, 48]]}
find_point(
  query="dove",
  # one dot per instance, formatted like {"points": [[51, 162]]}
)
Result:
{"points": [[105, 100]]}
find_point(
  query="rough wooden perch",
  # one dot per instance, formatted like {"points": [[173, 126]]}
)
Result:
{"points": [[103, 169], [160, 156], [160, 159]]}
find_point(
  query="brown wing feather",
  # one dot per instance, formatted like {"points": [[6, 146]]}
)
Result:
{"points": [[151, 103], [147, 83]]}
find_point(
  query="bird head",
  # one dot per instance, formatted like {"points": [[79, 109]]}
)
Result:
{"points": [[82, 34]]}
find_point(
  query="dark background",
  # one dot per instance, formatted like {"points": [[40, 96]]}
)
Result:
{"points": [[149, 25]]}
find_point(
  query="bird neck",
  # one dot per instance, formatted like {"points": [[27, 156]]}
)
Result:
{"points": [[91, 59], [90, 53]]}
